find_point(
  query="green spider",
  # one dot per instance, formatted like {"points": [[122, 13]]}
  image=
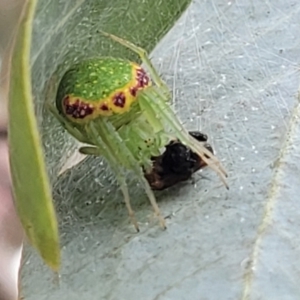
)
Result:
{"points": [[112, 105]]}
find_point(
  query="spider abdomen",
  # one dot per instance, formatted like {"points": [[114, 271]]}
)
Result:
{"points": [[99, 87]]}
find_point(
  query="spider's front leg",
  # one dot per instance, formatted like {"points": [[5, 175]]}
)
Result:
{"points": [[103, 148], [145, 60]]}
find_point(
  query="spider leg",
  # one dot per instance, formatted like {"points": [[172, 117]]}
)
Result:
{"points": [[153, 100], [104, 149], [123, 155], [144, 58], [87, 150], [168, 114]]}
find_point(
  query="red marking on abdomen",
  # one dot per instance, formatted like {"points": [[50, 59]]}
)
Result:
{"points": [[78, 109], [119, 100]]}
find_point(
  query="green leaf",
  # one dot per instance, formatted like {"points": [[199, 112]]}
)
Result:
{"points": [[233, 67], [31, 189], [63, 32]]}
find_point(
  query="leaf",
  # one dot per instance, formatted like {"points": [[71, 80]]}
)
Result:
{"points": [[63, 32], [31, 189], [233, 68]]}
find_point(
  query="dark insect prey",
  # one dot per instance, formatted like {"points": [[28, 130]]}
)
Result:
{"points": [[176, 164]]}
